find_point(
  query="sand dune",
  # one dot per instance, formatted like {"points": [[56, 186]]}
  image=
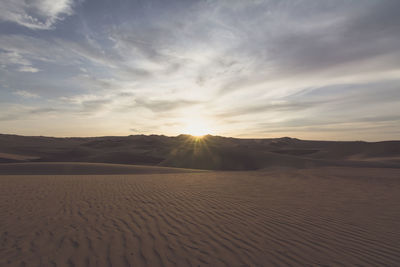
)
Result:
{"points": [[307, 217], [310, 203], [210, 152]]}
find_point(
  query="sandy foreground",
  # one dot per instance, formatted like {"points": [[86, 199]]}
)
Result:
{"points": [[325, 216]]}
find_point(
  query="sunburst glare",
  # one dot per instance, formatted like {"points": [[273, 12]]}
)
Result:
{"points": [[197, 127]]}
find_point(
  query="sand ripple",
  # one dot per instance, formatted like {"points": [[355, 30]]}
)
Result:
{"points": [[327, 217]]}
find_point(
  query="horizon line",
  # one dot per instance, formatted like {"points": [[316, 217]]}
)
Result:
{"points": [[212, 135]]}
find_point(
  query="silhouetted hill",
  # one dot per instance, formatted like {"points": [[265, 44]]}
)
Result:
{"points": [[209, 152]]}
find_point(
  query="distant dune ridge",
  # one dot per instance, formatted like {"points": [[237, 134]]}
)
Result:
{"points": [[209, 152]]}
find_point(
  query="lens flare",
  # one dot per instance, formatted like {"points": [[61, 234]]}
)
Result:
{"points": [[197, 127]]}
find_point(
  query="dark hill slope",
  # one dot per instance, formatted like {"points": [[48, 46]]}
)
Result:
{"points": [[209, 152]]}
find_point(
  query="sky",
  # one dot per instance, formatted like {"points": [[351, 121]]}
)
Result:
{"points": [[310, 69]]}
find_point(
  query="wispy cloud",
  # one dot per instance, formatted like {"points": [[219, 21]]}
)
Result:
{"points": [[36, 14], [28, 69], [164, 105], [26, 94], [16, 112], [13, 58]]}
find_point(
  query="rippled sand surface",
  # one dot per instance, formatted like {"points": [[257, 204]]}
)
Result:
{"points": [[327, 216]]}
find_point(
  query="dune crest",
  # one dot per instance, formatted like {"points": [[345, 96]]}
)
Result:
{"points": [[209, 152]]}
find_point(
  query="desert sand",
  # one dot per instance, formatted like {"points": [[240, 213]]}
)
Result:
{"points": [[325, 216]]}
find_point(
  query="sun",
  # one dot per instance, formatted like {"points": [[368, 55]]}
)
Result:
{"points": [[196, 127]]}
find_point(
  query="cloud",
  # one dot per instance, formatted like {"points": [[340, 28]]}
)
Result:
{"points": [[12, 57], [26, 94], [164, 105], [36, 14], [282, 106], [28, 69], [8, 58], [17, 112], [94, 106]]}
